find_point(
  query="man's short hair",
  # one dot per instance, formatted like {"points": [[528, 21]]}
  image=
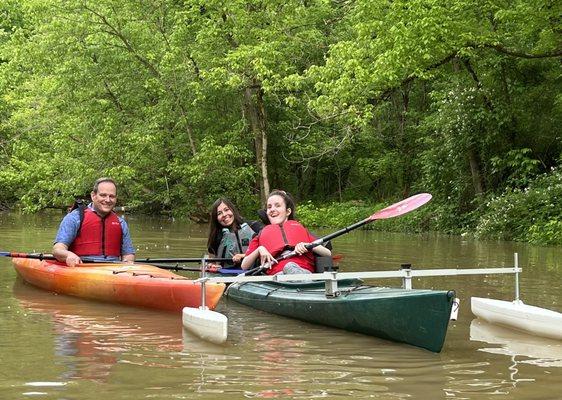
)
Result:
{"points": [[102, 180]]}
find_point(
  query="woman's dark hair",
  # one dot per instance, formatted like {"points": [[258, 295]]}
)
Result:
{"points": [[215, 227], [288, 199]]}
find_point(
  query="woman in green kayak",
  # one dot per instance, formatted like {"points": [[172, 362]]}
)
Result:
{"points": [[283, 234]]}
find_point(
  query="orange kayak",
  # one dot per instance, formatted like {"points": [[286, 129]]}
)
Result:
{"points": [[136, 284]]}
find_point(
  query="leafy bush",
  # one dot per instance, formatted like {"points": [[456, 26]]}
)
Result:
{"points": [[530, 214], [549, 232], [334, 215], [218, 170]]}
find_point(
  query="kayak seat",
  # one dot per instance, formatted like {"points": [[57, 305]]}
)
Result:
{"points": [[323, 264]]}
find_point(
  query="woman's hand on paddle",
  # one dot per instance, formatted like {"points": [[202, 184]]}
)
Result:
{"points": [[266, 257], [237, 258], [300, 248]]}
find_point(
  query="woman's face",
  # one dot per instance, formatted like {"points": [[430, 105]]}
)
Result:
{"points": [[277, 210], [225, 217]]}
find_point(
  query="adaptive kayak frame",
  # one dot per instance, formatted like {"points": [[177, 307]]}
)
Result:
{"points": [[194, 319], [407, 274]]}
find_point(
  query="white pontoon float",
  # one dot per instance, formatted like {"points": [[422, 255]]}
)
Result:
{"points": [[517, 315], [207, 324]]}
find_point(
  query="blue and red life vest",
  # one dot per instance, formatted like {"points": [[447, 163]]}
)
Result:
{"points": [[98, 236]]}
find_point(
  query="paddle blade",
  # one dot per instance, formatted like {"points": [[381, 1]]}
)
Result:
{"points": [[402, 207]]}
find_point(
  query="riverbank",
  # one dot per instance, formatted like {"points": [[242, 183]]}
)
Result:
{"points": [[528, 215]]}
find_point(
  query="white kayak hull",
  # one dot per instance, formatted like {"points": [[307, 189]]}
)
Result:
{"points": [[534, 320]]}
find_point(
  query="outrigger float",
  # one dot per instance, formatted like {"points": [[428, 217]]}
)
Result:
{"points": [[517, 315]]}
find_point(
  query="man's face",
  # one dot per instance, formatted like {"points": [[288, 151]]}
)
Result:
{"points": [[106, 197]]}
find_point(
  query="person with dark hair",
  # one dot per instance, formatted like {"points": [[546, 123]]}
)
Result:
{"points": [[95, 231], [229, 233], [283, 234]]}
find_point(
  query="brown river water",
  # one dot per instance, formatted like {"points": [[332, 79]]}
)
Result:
{"points": [[59, 347]]}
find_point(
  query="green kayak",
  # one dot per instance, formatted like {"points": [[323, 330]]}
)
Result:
{"points": [[416, 317]]}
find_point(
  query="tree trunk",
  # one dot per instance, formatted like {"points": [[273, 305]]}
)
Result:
{"points": [[404, 144], [254, 113], [476, 172]]}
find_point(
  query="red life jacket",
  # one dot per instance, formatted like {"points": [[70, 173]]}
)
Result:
{"points": [[98, 236], [276, 238]]}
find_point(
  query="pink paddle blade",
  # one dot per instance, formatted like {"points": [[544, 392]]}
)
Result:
{"points": [[402, 207]]}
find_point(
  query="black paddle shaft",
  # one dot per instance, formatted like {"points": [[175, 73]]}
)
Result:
{"points": [[160, 263], [343, 231], [185, 260], [317, 242], [326, 238]]}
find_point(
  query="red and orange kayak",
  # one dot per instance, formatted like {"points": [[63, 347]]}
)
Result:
{"points": [[131, 284]]}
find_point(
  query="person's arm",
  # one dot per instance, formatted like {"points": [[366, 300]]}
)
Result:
{"points": [[66, 234], [320, 250], [254, 252], [127, 248], [249, 260], [128, 258], [62, 254], [262, 253], [237, 258]]}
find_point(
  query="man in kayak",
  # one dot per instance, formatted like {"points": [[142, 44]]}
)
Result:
{"points": [[96, 231]]}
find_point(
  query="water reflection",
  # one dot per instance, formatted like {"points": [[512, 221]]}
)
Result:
{"points": [[525, 348], [268, 356], [90, 337], [505, 376]]}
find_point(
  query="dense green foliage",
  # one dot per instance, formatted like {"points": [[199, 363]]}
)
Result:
{"points": [[342, 103], [532, 214]]}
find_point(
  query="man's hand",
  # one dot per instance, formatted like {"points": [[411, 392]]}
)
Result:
{"points": [[128, 258], [72, 260]]}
